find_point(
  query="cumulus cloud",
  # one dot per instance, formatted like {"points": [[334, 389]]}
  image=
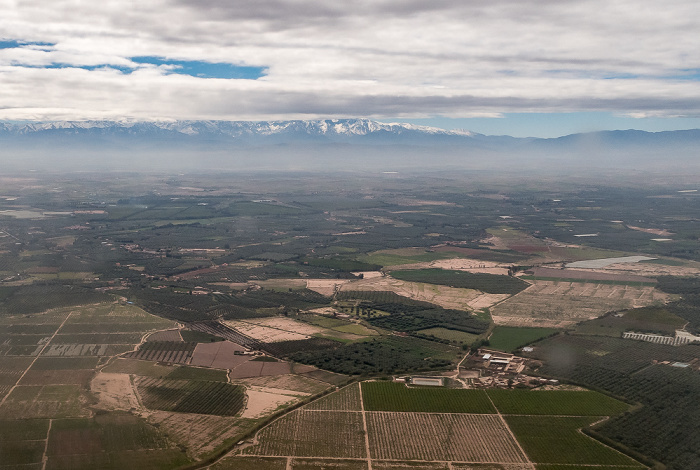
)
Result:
{"points": [[372, 58]]}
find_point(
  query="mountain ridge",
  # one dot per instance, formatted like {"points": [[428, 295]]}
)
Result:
{"points": [[345, 144]]}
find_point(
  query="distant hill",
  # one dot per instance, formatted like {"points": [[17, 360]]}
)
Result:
{"points": [[339, 144]]}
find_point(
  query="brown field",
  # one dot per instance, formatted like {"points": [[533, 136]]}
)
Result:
{"points": [[312, 434], [421, 436], [444, 296], [271, 334], [346, 399], [292, 382], [219, 355], [262, 401], [319, 374], [166, 335], [57, 377], [173, 352], [259, 368], [561, 304], [324, 286], [114, 392], [199, 433], [47, 401]]}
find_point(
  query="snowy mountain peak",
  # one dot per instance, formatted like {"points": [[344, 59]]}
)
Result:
{"points": [[327, 127]]}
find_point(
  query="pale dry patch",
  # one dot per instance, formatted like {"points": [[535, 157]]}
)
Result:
{"points": [[199, 433], [690, 269], [275, 329], [561, 304], [282, 283], [470, 265], [325, 286], [328, 311], [487, 300], [295, 384], [287, 324], [262, 401], [368, 274], [263, 333], [653, 231], [444, 296], [115, 392]]}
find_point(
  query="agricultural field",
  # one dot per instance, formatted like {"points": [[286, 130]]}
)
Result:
{"points": [[564, 402], [191, 396], [489, 283], [544, 438], [507, 339], [114, 294], [389, 396], [413, 436], [346, 399], [562, 304], [447, 334], [312, 434]]}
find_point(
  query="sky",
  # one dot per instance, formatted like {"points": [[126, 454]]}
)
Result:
{"points": [[519, 67]]}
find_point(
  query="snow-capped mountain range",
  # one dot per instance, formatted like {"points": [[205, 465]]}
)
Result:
{"points": [[330, 127], [330, 144]]}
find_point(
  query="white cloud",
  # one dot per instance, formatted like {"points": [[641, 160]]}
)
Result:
{"points": [[368, 58]]}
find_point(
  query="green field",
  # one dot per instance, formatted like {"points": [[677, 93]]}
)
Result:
{"points": [[555, 402], [510, 338], [449, 334], [389, 396], [558, 441]]}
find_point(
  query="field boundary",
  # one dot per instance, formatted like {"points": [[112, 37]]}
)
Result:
{"points": [[517, 442]]}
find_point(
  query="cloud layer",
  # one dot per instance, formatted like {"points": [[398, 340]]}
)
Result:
{"points": [[378, 58]]}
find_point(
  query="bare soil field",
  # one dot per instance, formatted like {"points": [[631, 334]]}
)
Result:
{"points": [[166, 335], [345, 399], [588, 275], [444, 296], [274, 329], [219, 355], [470, 265], [324, 286], [421, 436], [561, 304], [690, 269], [252, 368], [114, 391], [199, 433], [57, 377], [291, 382], [262, 401]]}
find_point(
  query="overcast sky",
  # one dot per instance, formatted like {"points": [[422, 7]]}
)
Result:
{"points": [[447, 62]]}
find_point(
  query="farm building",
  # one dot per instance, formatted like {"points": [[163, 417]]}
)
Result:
{"points": [[430, 381], [497, 360]]}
